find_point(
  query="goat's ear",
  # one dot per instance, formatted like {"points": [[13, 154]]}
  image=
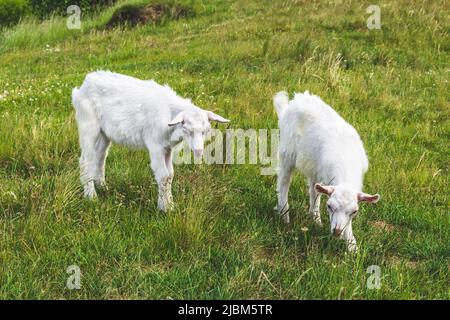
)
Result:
{"points": [[179, 118], [215, 117], [368, 197], [328, 190]]}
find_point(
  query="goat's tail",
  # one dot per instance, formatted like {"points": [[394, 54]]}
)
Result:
{"points": [[82, 106], [280, 102], [75, 98]]}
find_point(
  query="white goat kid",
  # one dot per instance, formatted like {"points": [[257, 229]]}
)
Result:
{"points": [[136, 113], [326, 149]]}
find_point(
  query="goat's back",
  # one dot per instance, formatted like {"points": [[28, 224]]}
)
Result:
{"points": [[128, 110], [319, 137]]}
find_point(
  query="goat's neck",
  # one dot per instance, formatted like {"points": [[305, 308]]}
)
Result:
{"points": [[177, 108], [344, 176]]}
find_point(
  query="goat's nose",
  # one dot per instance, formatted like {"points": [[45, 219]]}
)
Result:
{"points": [[337, 232]]}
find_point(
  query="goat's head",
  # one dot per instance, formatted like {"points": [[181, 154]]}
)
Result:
{"points": [[342, 205], [195, 124]]}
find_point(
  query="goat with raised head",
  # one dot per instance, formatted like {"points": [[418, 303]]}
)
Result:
{"points": [[137, 113]]}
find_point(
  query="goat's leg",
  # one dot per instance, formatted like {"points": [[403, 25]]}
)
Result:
{"points": [[162, 176], [314, 203], [283, 183], [87, 173], [169, 165], [348, 236], [88, 135], [101, 146]]}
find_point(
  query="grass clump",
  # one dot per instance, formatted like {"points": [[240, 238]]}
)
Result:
{"points": [[134, 14], [12, 11], [46, 8]]}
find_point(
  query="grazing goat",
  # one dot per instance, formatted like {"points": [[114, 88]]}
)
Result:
{"points": [[136, 113], [326, 149]]}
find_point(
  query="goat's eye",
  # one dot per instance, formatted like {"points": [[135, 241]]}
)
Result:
{"points": [[329, 208], [354, 213]]}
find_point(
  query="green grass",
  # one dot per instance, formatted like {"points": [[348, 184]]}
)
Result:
{"points": [[223, 239]]}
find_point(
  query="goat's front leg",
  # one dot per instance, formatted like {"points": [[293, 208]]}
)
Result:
{"points": [[169, 165], [314, 203], [162, 176], [350, 238]]}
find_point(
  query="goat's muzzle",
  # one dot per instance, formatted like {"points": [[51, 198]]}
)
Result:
{"points": [[337, 232]]}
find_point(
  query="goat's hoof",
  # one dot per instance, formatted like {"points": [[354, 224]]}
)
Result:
{"points": [[170, 206], [352, 248], [90, 195], [316, 218], [165, 206], [285, 216], [317, 221], [164, 210], [284, 213]]}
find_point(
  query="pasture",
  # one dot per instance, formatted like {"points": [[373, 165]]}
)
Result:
{"points": [[223, 239]]}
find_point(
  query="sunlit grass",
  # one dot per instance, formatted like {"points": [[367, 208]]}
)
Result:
{"points": [[223, 239]]}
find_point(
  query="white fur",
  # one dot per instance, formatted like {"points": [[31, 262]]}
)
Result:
{"points": [[326, 149], [136, 113]]}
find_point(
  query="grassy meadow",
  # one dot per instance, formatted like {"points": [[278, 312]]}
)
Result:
{"points": [[223, 240]]}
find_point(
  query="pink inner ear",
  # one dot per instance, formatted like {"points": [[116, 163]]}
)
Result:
{"points": [[328, 190], [368, 197], [215, 117]]}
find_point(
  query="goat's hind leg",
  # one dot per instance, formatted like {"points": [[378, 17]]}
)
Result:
{"points": [[101, 152], [284, 178], [88, 131]]}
